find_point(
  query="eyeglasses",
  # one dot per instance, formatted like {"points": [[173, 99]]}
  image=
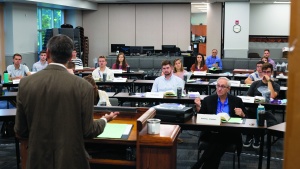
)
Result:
{"points": [[258, 66], [266, 71], [221, 87]]}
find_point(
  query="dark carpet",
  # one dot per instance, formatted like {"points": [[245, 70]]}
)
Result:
{"points": [[186, 152]]}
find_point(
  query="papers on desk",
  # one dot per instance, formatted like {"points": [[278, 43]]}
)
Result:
{"points": [[78, 67], [194, 94], [247, 99], [168, 106], [113, 130], [235, 83], [119, 79], [16, 81], [117, 70], [199, 73], [155, 94]]}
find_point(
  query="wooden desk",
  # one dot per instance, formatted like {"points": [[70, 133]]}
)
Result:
{"points": [[213, 75], [276, 130], [123, 97], [139, 75], [249, 125], [242, 71]]}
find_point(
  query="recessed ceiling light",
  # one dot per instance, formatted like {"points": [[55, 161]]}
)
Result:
{"points": [[281, 2]]}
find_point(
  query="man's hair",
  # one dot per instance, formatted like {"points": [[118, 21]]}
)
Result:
{"points": [[266, 66], [227, 80], [166, 62], [267, 50], [17, 54], [260, 62], [60, 48], [102, 57], [42, 52]]}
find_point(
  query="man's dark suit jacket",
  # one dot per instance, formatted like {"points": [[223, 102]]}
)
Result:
{"points": [[55, 112], [209, 106]]}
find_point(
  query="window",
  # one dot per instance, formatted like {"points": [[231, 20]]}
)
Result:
{"points": [[47, 18]]}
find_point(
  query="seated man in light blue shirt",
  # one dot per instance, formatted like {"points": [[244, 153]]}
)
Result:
{"points": [[17, 70], [41, 64], [168, 81], [214, 60]]}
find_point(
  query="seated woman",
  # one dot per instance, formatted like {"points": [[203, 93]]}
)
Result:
{"points": [[264, 59], [100, 96], [199, 64], [178, 68], [120, 62]]}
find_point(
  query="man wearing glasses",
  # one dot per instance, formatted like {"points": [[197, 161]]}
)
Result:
{"points": [[255, 75], [267, 70], [221, 102]]}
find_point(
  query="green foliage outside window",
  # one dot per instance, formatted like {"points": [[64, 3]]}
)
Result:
{"points": [[47, 19]]}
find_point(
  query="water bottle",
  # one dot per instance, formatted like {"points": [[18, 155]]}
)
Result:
{"points": [[260, 117]]}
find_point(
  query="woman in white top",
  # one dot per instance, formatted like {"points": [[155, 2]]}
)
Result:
{"points": [[100, 96]]}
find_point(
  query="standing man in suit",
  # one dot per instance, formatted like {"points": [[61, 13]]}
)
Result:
{"points": [[55, 112], [214, 61], [222, 102]]}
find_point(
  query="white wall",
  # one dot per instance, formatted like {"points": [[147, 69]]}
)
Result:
{"points": [[73, 17], [213, 40], [236, 44], [20, 32], [96, 28], [198, 18], [136, 25], [270, 19]]}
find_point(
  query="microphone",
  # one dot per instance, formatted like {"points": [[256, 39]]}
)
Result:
{"points": [[132, 92]]}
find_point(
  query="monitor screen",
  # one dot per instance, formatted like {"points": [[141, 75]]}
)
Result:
{"points": [[168, 48], [148, 49], [135, 49], [115, 108], [115, 47], [125, 50]]}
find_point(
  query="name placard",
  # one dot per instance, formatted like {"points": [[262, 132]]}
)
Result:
{"points": [[120, 79], [154, 94], [16, 81], [199, 72], [117, 70], [209, 119]]}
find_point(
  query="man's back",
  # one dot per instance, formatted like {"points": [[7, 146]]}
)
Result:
{"points": [[58, 121]]}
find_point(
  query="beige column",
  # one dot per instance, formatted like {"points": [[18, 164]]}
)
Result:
{"points": [[2, 48], [292, 134]]}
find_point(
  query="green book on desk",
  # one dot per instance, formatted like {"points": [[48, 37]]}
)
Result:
{"points": [[118, 131]]}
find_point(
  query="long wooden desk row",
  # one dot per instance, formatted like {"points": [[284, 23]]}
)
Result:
{"points": [[153, 151]]}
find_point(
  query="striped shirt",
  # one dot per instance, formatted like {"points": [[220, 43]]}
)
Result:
{"points": [[77, 61]]}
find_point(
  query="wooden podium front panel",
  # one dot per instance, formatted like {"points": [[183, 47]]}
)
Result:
{"points": [[159, 150]]}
